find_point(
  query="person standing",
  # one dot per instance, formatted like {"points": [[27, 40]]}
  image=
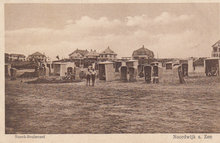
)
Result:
{"points": [[93, 74], [88, 75]]}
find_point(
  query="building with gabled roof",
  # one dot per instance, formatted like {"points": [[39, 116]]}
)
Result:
{"points": [[78, 54], [216, 49], [37, 56], [92, 55], [108, 54], [16, 57]]}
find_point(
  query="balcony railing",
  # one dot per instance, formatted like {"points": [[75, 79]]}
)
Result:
{"points": [[215, 54]]}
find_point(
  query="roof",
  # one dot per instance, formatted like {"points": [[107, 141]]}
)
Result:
{"points": [[143, 51], [76, 55], [108, 51], [92, 53], [217, 44], [82, 52], [213, 58], [37, 54], [17, 55]]}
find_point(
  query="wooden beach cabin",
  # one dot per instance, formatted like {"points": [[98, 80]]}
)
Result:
{"points": [[63, 68], [124, 73], [212, 66], [132, 69], [140, 70], [7, 69], [196, 66], [173, 76], [106, 71], [169, 65], [147, 73]]}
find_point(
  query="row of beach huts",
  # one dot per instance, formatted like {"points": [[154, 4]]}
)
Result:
{"points": [[141, 65], [131, 70]]}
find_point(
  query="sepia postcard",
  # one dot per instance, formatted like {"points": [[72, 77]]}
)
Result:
{"points": [[91, 71]]}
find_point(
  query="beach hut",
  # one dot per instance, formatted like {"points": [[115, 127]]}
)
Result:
{"points": [[13, 73], [140, 70], [196, 66], [185, 69], [106, 71], [155, 74], [132, 69], [117, 66], [124, 73], [7, 69], [132, 73], [169, 65], [156, 64], [177, 74], [132, 63], [173, 76], [212, 66], [49, 64], [147, 73], [77, 73], [63, 68]]}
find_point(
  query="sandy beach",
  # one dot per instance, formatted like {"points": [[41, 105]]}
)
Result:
{"points": [[113, 107]]}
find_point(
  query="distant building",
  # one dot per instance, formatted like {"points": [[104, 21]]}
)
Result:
{"points": [[216, 49], [92, 55], [107, 54], [37, 56], [78, 54], [142, 53], [126, 58], [15, 57]]}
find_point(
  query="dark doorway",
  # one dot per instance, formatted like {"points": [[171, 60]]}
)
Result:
{"points": [[132, 76], [185, 69], [212, 67], [102, 75], [147, 73], [124, 71]]}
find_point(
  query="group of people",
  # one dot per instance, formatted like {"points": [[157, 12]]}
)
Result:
{"points": [[90, 75]]}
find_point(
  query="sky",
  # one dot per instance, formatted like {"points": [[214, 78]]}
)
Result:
{"points": [[169, 30]]}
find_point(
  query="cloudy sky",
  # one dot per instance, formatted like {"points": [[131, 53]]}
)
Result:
{"points": [[169, 30]]}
